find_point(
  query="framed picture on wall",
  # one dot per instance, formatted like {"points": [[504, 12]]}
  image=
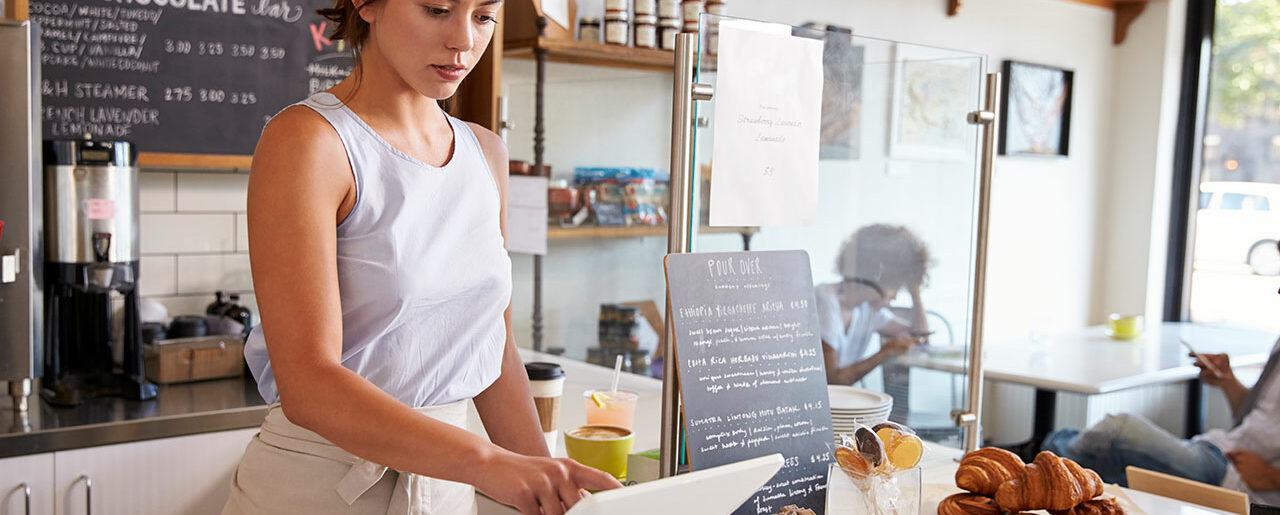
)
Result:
{"points": [[1035, 107], [933, 91]]}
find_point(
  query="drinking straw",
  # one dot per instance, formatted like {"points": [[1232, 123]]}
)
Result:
{"points": [[617, 374]]}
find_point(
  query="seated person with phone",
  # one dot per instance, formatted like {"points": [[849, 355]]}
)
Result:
{"points": [[1245, 457], [876, 262]]}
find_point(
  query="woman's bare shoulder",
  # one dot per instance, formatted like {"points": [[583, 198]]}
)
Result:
{"points": [[300, 141], [495, 150]]}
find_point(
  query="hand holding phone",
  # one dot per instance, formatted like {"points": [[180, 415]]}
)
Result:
{"points": [[1208, 365]]}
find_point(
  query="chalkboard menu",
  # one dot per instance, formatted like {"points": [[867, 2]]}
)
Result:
{"points": [[181, 76], [751, 369]]}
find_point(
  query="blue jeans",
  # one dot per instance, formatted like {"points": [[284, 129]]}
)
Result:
{"points": [[1122, 440]]}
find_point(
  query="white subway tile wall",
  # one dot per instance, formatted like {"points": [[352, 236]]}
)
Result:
{"points": [[156, 192], [213, 192], [242, 233], [199, 274], [159, 275], [193, 238]]}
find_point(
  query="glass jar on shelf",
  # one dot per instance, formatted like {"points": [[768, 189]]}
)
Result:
{"points": [[589, 29], [617, 28], [646, 31]]}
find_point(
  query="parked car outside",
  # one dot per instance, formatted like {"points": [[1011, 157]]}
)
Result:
{"points": [[1239, 223]]}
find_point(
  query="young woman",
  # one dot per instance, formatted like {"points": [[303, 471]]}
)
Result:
{"points": [[376, 236], [877, 262]]}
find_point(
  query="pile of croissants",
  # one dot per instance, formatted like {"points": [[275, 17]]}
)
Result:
{"points": [[997, 481]]}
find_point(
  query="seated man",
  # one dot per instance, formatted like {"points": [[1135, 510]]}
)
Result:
{"points": [[1245, 457]]}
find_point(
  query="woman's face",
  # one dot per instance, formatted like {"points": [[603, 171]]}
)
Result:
{"points": [[431, 44]]}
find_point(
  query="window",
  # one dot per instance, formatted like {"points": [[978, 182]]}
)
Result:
{"points": [[1233, 263]]}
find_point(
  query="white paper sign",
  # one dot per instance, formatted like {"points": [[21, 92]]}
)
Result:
{"points": [[768, 108], [527, 215]]}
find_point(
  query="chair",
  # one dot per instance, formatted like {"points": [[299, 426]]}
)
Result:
{"points": [[1187, 490]]}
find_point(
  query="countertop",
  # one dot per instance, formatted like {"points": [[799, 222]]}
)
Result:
{"points": [[181, 409]]}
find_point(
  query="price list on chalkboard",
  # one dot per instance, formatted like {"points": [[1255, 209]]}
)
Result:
{"points": [[180, 76], [751, 370]]}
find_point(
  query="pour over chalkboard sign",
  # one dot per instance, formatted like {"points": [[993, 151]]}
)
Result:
{"points": [[751, 369], [180, 76]]}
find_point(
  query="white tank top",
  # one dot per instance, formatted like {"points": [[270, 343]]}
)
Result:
{"points": [[422, 273]]}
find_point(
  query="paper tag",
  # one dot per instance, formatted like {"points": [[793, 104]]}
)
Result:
{"points": [[100, 208], [768, 107], [527, 215]]}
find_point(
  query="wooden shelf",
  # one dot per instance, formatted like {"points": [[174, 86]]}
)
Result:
{"points": [[594, 54], [1126, 11], [634, 231]]}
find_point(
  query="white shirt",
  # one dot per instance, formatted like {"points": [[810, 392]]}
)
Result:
{"points": [[423, 277], [1258, 432], [849, 342]]}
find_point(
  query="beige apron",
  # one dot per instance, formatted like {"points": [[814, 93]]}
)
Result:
{"points": [[289, 469]]}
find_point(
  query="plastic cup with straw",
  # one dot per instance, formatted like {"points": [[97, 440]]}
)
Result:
{"points": [[612, 407]]}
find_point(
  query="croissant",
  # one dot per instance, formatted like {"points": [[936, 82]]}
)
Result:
{"points": [[1094, 507], [1049, 483], [984, 470], [968, 504]]}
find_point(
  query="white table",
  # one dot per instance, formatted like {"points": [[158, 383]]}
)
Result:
{"points": [[1089, 362], [938, 466]]}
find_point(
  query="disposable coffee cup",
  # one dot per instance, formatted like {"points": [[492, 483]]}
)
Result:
{"points": [[546, 381]]}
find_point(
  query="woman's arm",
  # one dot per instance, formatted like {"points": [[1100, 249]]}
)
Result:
{"points": [[855, 371], [506, 407], [916, 327], [299, 189]]}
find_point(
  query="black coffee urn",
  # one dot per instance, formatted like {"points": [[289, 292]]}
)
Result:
{"points": [[91, 256]]}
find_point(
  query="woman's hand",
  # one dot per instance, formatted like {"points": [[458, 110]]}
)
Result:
{"points": [[533, 485]]}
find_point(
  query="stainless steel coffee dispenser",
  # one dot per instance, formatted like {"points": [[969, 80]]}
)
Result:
{"points": [[91, 253], [21, 311]]}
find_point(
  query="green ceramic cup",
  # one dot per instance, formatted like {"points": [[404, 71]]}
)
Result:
{"points": [[601, 447]]}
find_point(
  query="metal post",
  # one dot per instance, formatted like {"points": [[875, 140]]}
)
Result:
{"points": [[989, 119], [539, 128], [680, 232]]}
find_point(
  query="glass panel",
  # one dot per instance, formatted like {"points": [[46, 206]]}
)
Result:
{"points": [[893, 245], [1235, 262], [602, 118]]}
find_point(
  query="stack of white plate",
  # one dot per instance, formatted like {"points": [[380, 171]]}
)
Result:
{"points": [[851, 406]]}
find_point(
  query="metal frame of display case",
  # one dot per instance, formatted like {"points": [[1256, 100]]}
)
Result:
{"points": [[685, 93]]}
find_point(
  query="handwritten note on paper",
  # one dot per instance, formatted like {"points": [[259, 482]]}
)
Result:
{"points": [[751, 369], [768, 112], [527, 215]]}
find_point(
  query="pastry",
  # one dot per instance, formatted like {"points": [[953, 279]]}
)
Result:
{"points": [[984, 470], [1094, 507], [968, 504], [892, 425], [792, 509], [853, 463], [861, 455], [1049, 483], [902, 447]]}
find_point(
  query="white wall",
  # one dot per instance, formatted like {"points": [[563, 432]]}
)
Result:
{"points": [[1144, 122], [193, 238]]}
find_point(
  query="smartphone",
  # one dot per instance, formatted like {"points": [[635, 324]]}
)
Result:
{"points": [[1207, 364]]}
